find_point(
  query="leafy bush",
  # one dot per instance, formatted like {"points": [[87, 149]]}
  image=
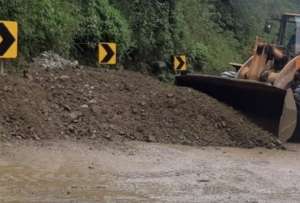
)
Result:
{"points": [[44, 24], [156, 34], [198, 56], [100, 22]]}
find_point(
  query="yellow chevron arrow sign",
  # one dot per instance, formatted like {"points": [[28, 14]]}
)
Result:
{"points": [[179, 63], [8, 39], [108, 53]]}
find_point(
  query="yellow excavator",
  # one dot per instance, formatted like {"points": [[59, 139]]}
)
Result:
{"points": [[266, 88]]}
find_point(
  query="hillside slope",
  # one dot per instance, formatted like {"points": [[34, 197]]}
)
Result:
{"points": [[212, 33]]}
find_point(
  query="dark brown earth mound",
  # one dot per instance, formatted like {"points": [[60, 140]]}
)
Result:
{"points": [[113, 105]]}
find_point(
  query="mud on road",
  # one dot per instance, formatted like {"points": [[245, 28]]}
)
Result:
{"points": [[66, 171]]}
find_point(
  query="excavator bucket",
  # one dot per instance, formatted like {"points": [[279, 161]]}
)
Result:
{"points": [[271, 108]]}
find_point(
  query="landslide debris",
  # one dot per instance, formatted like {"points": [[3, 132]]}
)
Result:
{"points": [[111, 105]]}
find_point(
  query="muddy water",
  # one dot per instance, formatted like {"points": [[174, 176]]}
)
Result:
{"points": [[139, 172]]}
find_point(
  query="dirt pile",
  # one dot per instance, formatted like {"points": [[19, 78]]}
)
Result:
{"points": [[49, 60], [110, 105]]}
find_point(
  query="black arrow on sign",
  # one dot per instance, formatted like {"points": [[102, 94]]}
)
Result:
{"points": [[7, 39], [181, 63], [109, 53]]}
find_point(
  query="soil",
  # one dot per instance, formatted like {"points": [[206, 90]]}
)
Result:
{"points": [[103, 105]]}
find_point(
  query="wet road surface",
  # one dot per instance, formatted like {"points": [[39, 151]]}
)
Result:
{"points": [[141, 172]]}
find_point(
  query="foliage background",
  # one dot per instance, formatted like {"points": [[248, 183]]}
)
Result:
{"points": [[211, 32]]}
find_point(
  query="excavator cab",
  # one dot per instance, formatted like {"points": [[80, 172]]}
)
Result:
{"points": [[289, 34], [272, 108]]}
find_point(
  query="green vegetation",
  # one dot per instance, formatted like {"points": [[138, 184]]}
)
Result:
{"points": [[44, 25], [99, 22], [211, 32]]}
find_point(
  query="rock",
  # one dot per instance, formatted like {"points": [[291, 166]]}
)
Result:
{"points": [[96, 110], [142, 103], [132, 136], [84, 106], [94, 136], [7, 88], [64, 77], [149, 138], [107, 136], [93, 101], [50, 60], [75, 115], [67, 108], [122, 133], [140, 129], [127, 87], [134, 111], [71, 128], [203, 181], [170, 95], [75, 64], [27, 75], [36, 137]]}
